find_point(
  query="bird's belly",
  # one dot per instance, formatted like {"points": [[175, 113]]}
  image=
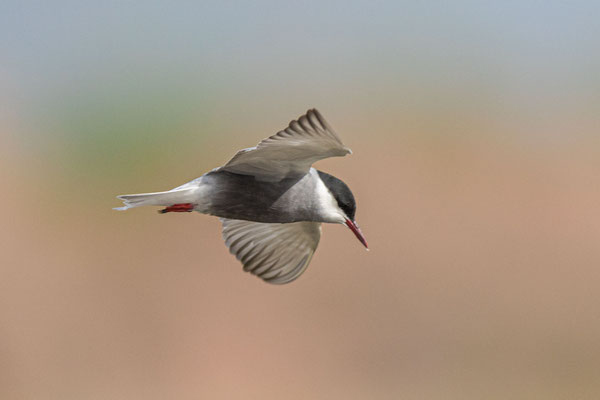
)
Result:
{"points": [[235, 196]]}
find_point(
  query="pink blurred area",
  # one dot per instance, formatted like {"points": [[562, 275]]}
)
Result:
{"points": [[481, 282]]}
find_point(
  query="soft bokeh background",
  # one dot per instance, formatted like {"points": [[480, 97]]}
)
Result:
{"points": [[475, 128]]}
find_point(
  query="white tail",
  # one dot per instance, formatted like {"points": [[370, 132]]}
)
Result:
{"points": [[175, 196]]}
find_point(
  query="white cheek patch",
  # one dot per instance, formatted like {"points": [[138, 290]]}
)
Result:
{"points": [[327, 203]]}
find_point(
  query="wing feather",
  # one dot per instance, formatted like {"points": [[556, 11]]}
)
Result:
{"points": [[289, 152], [277, 253]]}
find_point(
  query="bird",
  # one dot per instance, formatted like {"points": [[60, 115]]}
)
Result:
{"points": [[270, 200]]}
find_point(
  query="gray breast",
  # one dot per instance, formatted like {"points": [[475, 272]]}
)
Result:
{"points": [[236, 196]]}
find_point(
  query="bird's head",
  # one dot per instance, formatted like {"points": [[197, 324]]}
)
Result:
{"points": [[346, 205]]}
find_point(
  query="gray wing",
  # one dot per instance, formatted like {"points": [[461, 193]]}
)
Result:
{"points": [[290, 152], [277, 253]]}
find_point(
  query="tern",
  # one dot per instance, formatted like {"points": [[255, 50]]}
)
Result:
{"points": [[269, 199]]}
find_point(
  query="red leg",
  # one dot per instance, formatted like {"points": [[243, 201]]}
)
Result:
{"points": [[186, 207]]}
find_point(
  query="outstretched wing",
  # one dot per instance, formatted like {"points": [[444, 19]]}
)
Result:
{"points": [[291, 151], [277, 253]]}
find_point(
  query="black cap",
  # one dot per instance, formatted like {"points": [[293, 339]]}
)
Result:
{"points": [[341, 192]]}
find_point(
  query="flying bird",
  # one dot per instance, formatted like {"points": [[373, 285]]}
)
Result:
{"points": [[269, 199]]}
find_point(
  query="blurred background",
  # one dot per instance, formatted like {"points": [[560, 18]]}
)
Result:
{"points": [[475, 130]]}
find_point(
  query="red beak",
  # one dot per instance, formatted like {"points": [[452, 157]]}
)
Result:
{"points": [[354, 228]]}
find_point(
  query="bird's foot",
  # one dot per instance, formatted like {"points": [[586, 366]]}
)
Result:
{"points": [[185, 207]]}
